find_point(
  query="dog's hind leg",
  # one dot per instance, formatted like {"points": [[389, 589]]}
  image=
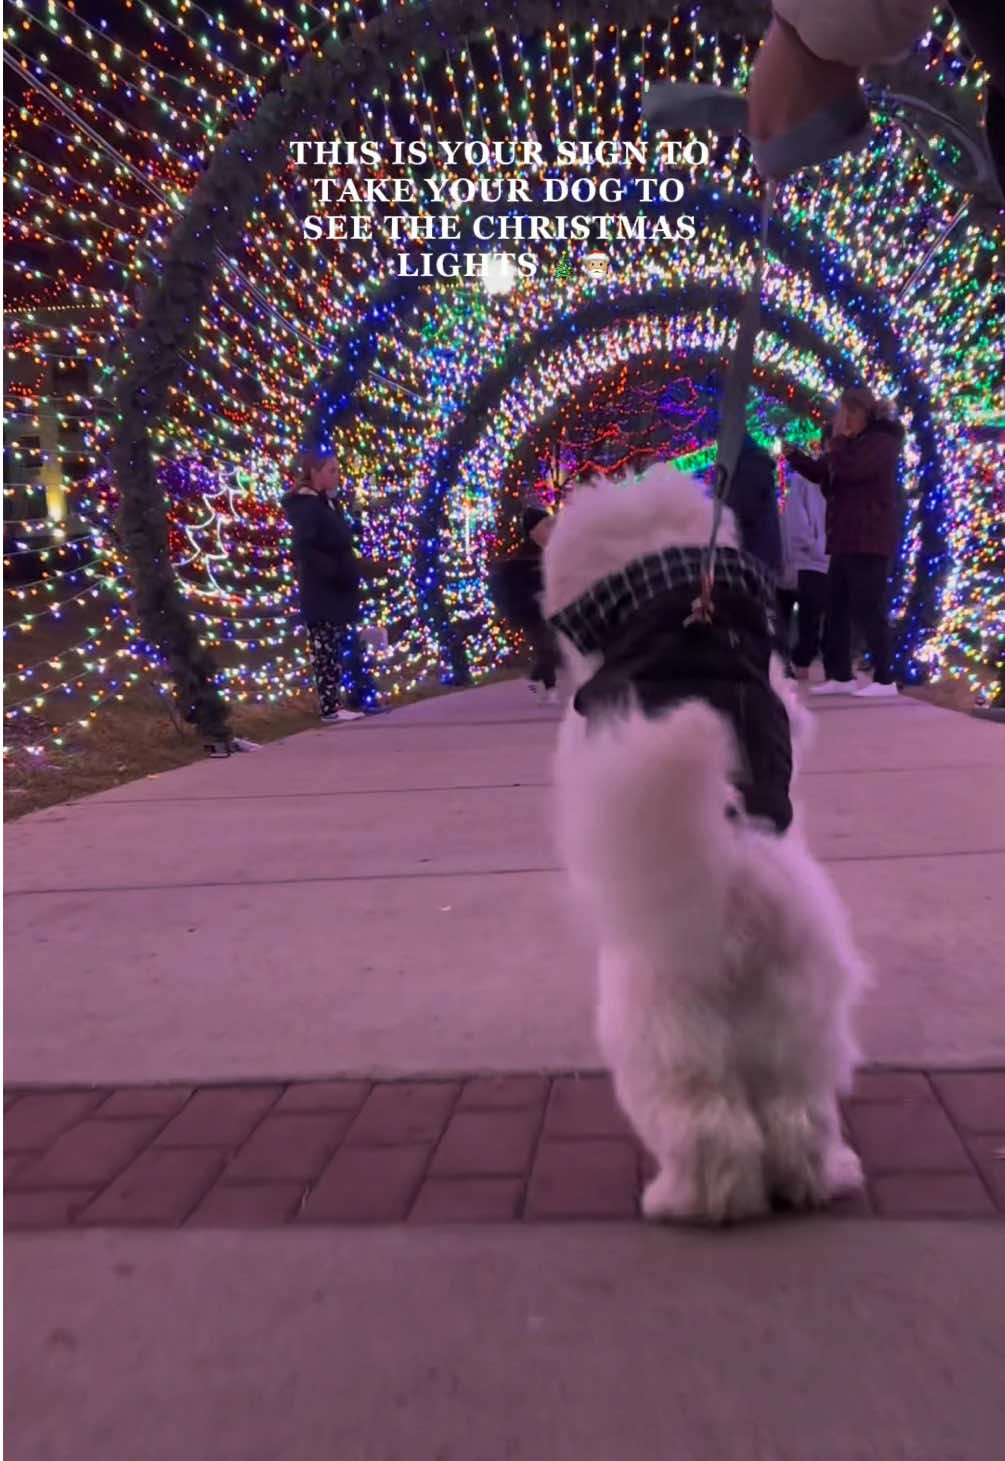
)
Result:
{"points": [[797, 1064], [711, 1162], [807, 1160], [671, 1051], [694, 1119]]}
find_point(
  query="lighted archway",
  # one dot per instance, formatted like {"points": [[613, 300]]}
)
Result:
{"points": [[408, 422]]}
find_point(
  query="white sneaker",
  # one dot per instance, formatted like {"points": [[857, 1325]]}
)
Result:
{"points": [[550, 697], [834, 687], [876, 691], [339, 716]]}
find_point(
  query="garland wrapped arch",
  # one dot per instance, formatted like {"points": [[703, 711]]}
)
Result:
{"points": [[214, 218]]}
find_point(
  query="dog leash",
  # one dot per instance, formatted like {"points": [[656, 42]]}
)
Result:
{"points": [[733, 417]]}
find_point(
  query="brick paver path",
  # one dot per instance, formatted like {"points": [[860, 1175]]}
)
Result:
{"points": [[487, 1148]]}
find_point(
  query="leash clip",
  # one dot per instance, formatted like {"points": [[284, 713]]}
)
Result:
{"points": [[702, 608]]}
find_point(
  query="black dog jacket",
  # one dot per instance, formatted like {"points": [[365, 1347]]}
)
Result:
{"points": [[636, 619]]}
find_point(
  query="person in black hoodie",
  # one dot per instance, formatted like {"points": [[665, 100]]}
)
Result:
{"points": [[753, 496], [328, 581], [516, 583]]}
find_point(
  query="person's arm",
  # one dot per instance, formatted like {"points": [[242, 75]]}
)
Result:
{"points": [[346, 530], [813, 54], [857, 33], [814, 469], [349, 563]]}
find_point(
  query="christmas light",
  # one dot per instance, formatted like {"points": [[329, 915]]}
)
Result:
{"points": [[442, 398]]}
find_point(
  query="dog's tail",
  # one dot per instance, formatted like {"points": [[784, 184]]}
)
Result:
{"points": [[646, 809]]}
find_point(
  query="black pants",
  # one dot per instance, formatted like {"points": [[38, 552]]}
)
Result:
{"points": [[857, 595], [338, 664], [544, 647], [786, 607], [811, 598]]}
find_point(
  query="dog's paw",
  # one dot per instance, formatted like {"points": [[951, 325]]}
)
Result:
{"points": [[732, 1193], [842, 1170], [663, 1199], [807, 1161]]}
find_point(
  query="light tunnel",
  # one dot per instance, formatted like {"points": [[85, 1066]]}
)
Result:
{"points": [[244, 340]]}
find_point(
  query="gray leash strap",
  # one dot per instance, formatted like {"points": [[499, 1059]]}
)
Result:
{"points": [[733, 416]]}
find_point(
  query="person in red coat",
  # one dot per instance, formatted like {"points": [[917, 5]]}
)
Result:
{"points": [[857, 474]]}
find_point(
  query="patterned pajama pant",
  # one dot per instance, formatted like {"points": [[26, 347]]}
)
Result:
{"points": [[337, 662]]}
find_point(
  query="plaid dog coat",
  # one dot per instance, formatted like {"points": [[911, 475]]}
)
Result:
{"points": [[635, 619]]}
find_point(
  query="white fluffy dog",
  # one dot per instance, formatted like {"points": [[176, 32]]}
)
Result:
{"points": [[726, 968]]}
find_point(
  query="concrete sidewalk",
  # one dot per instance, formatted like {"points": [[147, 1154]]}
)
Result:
{"points": [[809, 1341], [382, 900]]}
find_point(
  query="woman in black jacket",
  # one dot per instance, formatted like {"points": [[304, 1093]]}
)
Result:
{"points": [[328, 580]]}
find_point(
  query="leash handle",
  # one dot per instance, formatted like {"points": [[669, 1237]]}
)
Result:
{"points": [[733, 418]]}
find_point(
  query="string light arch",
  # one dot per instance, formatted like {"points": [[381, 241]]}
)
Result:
{"points": [[231, 326]]}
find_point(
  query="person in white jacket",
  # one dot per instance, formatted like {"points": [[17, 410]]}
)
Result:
{"points": [[804, 533]]}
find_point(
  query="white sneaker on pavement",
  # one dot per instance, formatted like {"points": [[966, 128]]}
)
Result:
{"points": [[834, 687], [877, 691]]}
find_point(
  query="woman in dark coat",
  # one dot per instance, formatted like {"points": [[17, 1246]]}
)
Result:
{"points": [[858, 477], [328, 580]]}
